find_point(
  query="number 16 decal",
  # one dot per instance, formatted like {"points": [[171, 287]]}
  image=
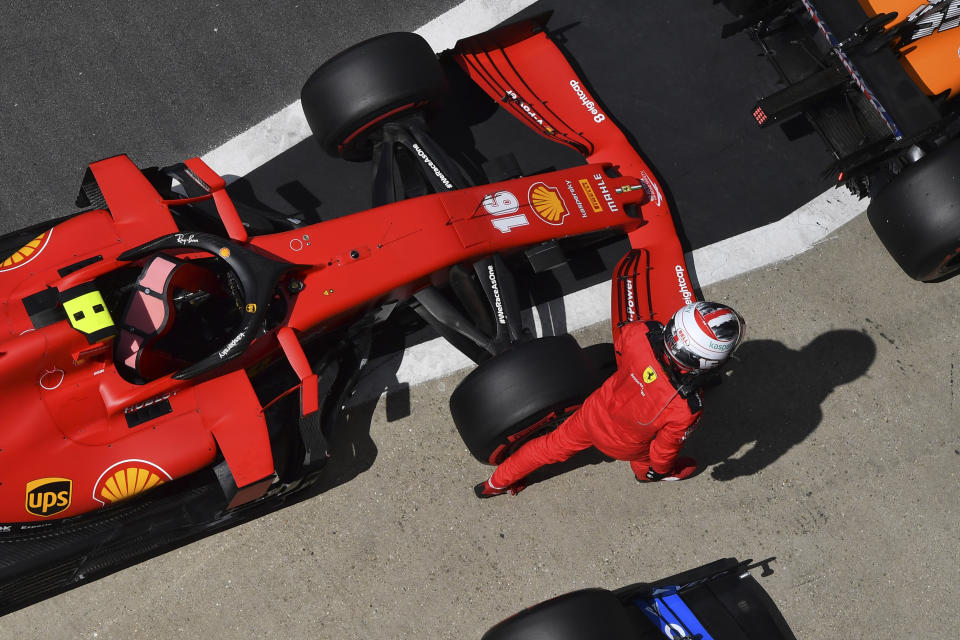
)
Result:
{"points": [[500, 204]]}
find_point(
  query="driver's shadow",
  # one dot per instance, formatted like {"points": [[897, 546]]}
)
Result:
{"points": [[771, 400]]}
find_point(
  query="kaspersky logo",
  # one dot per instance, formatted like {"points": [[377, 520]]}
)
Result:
{"points": [[547, 203], [48, 496]]}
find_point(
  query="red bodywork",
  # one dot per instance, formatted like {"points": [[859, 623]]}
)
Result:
{"points": [[66, 447]]}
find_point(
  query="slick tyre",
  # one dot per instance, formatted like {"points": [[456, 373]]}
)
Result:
{"points": [[514, 395], [366, 85], [581, 615], [917, 215]]}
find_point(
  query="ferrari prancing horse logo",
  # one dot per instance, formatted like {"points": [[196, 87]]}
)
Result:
{"points": [[649, 375]]}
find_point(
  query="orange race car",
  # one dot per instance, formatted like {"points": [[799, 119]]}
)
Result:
{"points": [[878, 80]]}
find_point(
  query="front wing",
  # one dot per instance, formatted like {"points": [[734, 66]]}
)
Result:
{"points": [[525, 71]]}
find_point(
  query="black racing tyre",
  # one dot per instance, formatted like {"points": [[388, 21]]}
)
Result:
{"points": [[581, 615], [518, 389], [366, 85], [917, 215]]}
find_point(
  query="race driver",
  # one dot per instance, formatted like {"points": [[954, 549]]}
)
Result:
{"points": [[647, 408]]}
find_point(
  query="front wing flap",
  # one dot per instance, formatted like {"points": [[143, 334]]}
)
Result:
{"points": [[523, 69]]}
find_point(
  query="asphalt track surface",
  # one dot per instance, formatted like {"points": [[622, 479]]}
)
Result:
{"points": [[833, 446]]}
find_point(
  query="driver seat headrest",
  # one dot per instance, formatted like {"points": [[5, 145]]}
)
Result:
{"points": [[150, 313]]}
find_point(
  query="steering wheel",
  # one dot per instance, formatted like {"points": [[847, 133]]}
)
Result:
{"points": [[258, 276]]}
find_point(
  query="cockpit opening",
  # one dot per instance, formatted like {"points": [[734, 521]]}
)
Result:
{"points": [[177, 313]]}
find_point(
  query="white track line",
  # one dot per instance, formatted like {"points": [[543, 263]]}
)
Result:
{"points": [[726, 259], [777, 241], [287, 127]]}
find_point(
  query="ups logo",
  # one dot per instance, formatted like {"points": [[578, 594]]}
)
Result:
{"points": [[48, 496]]}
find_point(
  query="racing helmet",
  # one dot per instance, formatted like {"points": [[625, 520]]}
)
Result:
{"points": [[701, 336]]}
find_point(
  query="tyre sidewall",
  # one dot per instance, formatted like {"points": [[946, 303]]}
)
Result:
{"points": [[580, 615], [917, 215], [394, 72], [513, 390]]}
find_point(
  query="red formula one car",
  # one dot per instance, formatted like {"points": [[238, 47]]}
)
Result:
{"points": [[167, 372]]}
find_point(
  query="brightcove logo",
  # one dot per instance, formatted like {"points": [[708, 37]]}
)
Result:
{"points": [[684, 288], [587, 103]]}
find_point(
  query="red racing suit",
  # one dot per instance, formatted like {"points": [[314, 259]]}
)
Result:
{"points": [[638, 414]]}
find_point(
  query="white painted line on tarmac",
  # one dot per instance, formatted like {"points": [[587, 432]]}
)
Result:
{"points": [[287, 127], [777, 241], [729, 258], [467, 19], [259, 144]]}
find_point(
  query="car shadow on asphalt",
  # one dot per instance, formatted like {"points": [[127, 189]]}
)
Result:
{"points": [[352, 449], [770, 401]]}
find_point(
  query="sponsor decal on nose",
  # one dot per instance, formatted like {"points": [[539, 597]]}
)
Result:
{"points": [[547, 203]]}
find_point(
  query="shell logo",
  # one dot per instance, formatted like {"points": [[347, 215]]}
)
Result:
{"points": [[547, 203], [26, 253], [126, 479]]}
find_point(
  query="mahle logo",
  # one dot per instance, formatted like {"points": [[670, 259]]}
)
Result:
{"points": [[48, 496]]}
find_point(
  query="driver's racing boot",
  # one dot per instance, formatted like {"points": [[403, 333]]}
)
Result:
{"points": [[486, 490], [682, 469]]}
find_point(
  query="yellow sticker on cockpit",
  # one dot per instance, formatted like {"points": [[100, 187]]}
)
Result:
{"points": [[88, 314]]}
